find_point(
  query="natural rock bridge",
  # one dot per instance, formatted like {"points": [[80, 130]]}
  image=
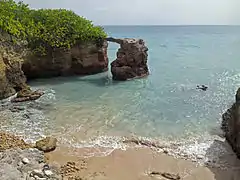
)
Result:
{"points": [[131, 59], [80, 59]]}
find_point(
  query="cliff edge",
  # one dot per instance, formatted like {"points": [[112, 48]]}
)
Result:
{"points": [[231, 124], [46, 43]]}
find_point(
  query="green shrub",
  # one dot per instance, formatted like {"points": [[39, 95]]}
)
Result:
{"points": [[46, 28]]}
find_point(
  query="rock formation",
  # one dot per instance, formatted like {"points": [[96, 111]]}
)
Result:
{"points": [[231, 124], [131, 59], [20, 161], [18, 64], [81, 59], [27, 164], [12, 78]]}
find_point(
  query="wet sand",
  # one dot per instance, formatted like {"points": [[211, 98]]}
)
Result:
{"points": [[137, 164]]}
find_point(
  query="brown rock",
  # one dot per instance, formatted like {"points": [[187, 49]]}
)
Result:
{"points": [[231, 125], [46, 145], [27, 95], [8, 141], [81, 59], [131, 59]]}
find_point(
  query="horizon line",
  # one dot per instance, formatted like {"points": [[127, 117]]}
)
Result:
{"points": [[170, 25]]}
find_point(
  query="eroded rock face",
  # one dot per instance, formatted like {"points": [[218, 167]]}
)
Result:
{"points": [[231, 124], [131, 59], [81, 59], [17, 64]]}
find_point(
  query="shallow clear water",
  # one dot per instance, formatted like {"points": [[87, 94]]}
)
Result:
{"points": [[165, 105]]}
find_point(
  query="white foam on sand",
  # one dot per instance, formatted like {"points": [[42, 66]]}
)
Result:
{"points": [[26, 119], [32, 124], [203, 151]]}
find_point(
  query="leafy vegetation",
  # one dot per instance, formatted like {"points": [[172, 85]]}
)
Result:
{"points": [[46, 28]]}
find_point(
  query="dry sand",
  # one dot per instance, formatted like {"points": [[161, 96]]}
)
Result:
{"points": [[136, 164]]}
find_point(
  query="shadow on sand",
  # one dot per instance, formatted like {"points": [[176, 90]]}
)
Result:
{"points": [[228, 166]]}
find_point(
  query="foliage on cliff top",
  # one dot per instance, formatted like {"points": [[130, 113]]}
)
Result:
{"points": [[46, 28]]}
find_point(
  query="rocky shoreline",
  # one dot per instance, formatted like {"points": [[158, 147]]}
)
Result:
{"points": [[22, 161]]}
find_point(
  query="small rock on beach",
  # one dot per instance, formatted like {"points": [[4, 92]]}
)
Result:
{"points": [[46, 145]]}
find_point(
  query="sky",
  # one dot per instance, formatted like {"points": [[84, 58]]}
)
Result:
{"points": [[150, 12]]}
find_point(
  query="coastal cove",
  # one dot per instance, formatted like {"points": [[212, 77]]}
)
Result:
{"points": [[164, 106], [116, 102]]}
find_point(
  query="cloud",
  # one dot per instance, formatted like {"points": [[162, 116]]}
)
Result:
{"points": [[151, 11]]}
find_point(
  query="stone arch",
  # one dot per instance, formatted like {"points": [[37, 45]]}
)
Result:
{"points": [[131, 61]]}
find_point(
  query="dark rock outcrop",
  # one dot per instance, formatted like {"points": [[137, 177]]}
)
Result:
{"points": [[81, 59], [131, 59], [231, 124]]}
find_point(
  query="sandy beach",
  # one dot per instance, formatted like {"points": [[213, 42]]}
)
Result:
{"points": [[138, 164]]}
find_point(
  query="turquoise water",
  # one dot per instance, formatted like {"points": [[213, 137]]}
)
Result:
{"points": [[165, 105]]}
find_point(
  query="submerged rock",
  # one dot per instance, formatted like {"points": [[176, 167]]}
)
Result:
{"points": [[46, 145], [231, 125], [131, 59]]}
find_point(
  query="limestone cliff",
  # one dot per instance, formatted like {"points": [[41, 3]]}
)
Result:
{"points": [[231, 124], [18, 64], [81, 59], [12, 78], [131, 59]]}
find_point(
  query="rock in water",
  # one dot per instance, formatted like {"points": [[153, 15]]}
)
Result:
{"points": [[131, 59], [46, 145], [231, 125], [27, 95]]}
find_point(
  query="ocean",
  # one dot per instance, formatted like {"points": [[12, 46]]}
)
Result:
{"points": [[165, 106]]}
